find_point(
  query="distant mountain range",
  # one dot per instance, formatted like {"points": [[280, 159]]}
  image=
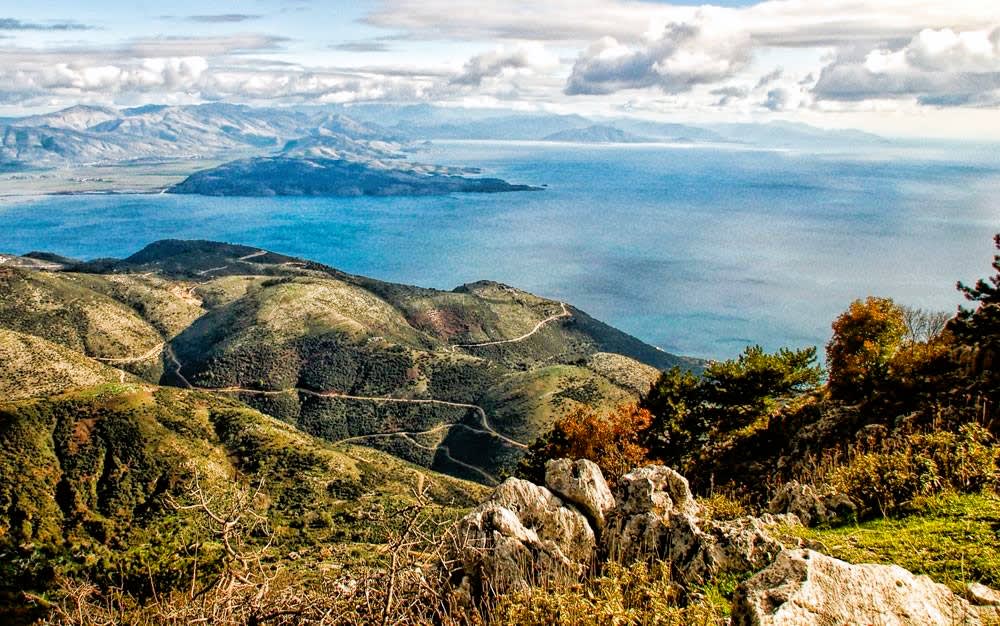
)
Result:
{"points": [[596, 134], [340, 150]]}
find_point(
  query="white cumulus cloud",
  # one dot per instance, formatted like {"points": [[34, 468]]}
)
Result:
{"points": [[526, 57], [683, 55], [937, 66]]}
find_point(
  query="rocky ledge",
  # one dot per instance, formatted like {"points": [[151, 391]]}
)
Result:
{"points": [[528, 534]]}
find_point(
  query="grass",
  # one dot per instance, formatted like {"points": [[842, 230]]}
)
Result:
{"points": [[526, 404], [953, 539], [35, 367], [639, 594]]}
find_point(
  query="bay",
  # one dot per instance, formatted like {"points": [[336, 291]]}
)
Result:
{"points": [[700, 250]]}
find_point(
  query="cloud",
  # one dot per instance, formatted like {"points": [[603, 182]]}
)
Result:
{"points": [[7, 23], [936, 67], [521, 20], [683, 56], [501, 61], [223, 18], [202, 46], [149, 75], [778, 99], [769, 78], [728, 95], [104, 78], [779, 23], [364, 45]]}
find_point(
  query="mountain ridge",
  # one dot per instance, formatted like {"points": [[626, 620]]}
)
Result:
{"points": [[456, 380]]}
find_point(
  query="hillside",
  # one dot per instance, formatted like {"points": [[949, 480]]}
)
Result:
{"points": [[459, 381], [88, 479]]}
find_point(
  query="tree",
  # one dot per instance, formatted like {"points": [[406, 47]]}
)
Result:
{"points": [[675, 401], [923, 326], [742, 390], [690, 411], [982, 324], [865, 338], [612, 441], [977, 331]]}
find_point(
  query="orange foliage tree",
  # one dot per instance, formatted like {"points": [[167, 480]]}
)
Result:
{"points": [[612, 441], [865, 338]]}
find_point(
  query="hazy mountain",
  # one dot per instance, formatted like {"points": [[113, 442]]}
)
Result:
{"points": [[595, 134], [100, 135], [663, 131], [791, 134], [81, 134]]}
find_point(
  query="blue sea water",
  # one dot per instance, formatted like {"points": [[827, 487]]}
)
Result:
{"points": [[699, 250]]}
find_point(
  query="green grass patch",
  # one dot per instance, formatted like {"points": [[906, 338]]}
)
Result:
{"points": [[953, 539]]}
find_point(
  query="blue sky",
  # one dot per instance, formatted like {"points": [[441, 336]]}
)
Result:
{"points": [[921, 67]]}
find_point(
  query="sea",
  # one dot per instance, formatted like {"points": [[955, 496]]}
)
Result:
{"points": [[699, 250]]}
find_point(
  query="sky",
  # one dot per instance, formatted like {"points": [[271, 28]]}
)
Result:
{"points": [[898, 67]]}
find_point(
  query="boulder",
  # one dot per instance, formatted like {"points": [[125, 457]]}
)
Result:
{"points": [[522, 536], [655, 489], [582, 484], [803, 587], [658, 517], [810, 506]]}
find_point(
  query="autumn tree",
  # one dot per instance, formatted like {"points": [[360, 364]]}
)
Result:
{"points": [[611, 440], [865, 338]]}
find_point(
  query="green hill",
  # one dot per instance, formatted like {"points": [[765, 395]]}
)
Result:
{"points": [[456, 380]]}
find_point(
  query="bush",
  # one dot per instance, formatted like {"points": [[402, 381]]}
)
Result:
{"points": [[611, 441], [638, 594]]}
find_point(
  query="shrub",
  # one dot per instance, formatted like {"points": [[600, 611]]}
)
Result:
{"points": [[884, 474], [611, 441], [722, 506], [637, 594]]}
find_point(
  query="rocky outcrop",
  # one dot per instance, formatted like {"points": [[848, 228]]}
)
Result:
{"points": [[811, 507], [526, 534], [803, 587], [656, 515], [582, 484], [522, 536]]}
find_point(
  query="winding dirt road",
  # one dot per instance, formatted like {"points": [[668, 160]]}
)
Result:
{"points": [[145, 356], [540, 325], [487, 428], [253, 255]]}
